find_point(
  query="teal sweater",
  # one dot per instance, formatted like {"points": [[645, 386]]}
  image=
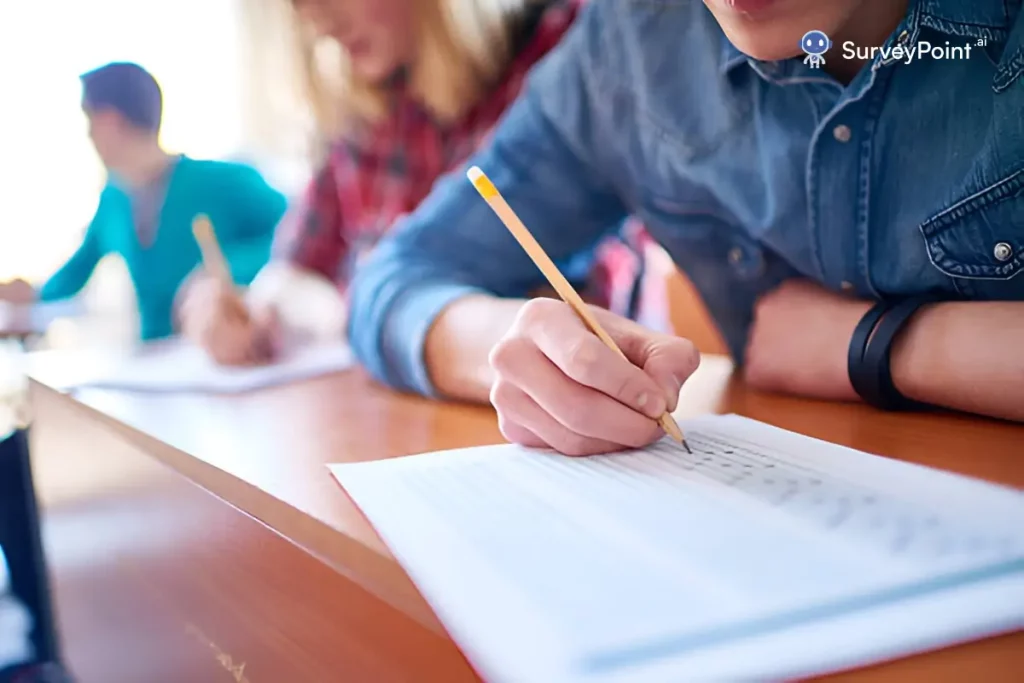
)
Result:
{"points": [[244, 210]]}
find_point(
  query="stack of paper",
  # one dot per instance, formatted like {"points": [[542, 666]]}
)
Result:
{"points": [[762, 554], [177, 366]]}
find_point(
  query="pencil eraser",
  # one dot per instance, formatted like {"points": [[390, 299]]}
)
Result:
{"points": [[481, 182]]}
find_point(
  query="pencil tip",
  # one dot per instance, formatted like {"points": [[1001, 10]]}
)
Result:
{"points": [[687, 447]]}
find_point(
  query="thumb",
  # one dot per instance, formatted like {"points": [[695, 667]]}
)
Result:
{"points": [[667, 359], [670, 361]]}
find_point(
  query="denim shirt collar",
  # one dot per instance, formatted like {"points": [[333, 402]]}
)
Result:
{"points": [[988, 20]]}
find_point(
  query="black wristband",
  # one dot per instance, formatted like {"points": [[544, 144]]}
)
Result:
{"points": [[864, 382], [877, 356]]}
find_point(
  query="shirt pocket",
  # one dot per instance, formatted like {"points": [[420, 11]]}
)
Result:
{"points": [[979, 241], [1011, 66]]}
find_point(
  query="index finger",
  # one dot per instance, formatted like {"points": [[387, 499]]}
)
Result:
{"points": [[585, 359]]}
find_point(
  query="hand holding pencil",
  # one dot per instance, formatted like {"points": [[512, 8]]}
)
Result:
{"points": [[576, 378], [214, 314]]}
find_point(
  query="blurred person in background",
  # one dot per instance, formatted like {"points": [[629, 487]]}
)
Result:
{"points": [[421, 85], [147, 206]]}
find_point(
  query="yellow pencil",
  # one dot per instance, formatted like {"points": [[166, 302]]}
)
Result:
{"points": [[214, 261], [213, 257], [554, 276]]}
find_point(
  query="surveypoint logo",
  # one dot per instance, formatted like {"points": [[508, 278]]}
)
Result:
{"points": [[815, 44], [901, 52]]}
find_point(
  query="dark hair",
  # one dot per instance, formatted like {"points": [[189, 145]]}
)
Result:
{"points": [[129, 90]]}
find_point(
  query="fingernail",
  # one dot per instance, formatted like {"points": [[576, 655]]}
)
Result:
{"points": [[672, 390], [652, 406]]}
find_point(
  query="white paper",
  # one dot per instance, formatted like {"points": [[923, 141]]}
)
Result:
{"points": [[177, 366], [763, 554]]}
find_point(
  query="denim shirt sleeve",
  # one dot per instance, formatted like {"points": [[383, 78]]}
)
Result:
{"points": [[453, 245]]}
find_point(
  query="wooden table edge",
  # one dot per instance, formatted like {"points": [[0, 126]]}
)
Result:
{"points": [[348, 556]]}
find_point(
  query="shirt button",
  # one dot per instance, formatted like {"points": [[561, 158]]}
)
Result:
{"points": [[735, 255], [846, 285], [842, 133], [903, 37], [1002, 251]]}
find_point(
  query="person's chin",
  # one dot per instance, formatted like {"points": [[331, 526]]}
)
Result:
{"points": [[762, 45], [770, 30], [373, 71]]}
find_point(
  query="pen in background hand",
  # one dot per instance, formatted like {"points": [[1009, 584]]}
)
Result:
{"points": [[217, 266]]}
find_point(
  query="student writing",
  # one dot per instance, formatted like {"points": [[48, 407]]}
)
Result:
{"points": [[794, 197]]}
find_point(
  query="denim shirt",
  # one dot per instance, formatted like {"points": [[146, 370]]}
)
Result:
{"points": [[910, 179]]}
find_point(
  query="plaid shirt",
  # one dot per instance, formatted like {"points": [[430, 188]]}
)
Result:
{"points": [[368, 183]]}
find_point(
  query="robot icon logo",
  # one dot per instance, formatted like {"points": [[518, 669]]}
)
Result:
{"points": [[815, 44]]}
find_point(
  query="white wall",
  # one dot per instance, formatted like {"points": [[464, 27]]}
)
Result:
{"points": [[49, 176]]}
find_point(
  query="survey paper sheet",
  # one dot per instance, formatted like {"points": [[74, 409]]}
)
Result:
{"points": [[177, 366], [763, 554]]}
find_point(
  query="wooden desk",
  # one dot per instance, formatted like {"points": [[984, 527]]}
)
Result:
{"points": [[227, 543]]}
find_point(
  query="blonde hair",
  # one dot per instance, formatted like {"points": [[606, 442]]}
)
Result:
{"points": [[462, 46]]}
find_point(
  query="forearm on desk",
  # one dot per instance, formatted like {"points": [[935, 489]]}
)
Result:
{"points": [[306, 302], [459, 342], [965, 356]]}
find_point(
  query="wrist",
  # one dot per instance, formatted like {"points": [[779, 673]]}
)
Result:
{"points": [[459, 343], [917, 353], [881, 369]]}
